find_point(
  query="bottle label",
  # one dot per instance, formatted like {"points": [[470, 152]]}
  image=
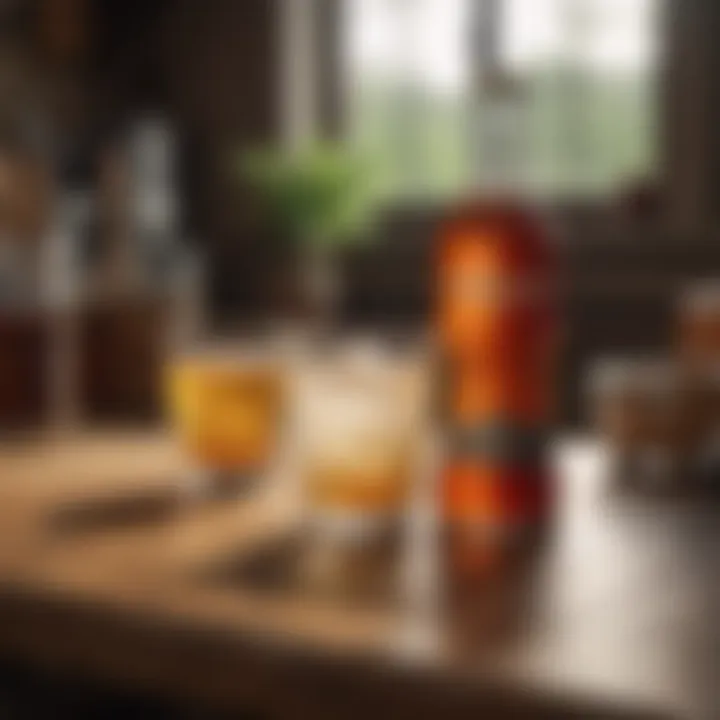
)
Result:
{"points": [[498, 444]]}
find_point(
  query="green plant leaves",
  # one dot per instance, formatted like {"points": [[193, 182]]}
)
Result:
{"points": [[319, 196]]}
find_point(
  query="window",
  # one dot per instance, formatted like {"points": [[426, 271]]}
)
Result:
{"points": [[449, 95]]}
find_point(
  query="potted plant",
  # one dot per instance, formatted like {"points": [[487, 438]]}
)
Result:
{"points": [[319, 200]]}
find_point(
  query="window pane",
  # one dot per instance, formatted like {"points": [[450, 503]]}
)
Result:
{"points": [[582, 73], [409, 73], [587, 67]]}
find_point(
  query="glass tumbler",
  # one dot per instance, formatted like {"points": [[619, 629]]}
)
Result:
{"points": [[359, 420], [226, 407]]}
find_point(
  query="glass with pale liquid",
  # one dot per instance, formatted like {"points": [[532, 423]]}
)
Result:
{"points": [[359, 420]]}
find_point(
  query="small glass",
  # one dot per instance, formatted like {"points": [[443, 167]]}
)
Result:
{"points": [[226, 406], [359, 418], [699, 326], [648, 410], [699, 350]]}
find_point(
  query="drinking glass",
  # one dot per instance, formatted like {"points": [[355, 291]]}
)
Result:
{"points": [[360, 415], [226, 406]]}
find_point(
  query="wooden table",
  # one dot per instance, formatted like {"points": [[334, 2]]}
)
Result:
{"points": [[617, 617]]}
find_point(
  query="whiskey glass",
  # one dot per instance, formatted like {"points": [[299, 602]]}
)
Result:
{"points": [[359, 418], [226, 406]]}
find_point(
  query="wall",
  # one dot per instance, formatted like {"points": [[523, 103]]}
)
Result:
{"points": [[220, 67]]}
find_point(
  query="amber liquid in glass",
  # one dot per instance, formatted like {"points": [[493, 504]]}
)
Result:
{"points": [[226, 415]]}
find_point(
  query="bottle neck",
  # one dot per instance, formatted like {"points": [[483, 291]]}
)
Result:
{"points": [[500, 157]]}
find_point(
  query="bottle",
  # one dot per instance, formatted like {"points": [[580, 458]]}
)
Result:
{"points": [[496, 325]]}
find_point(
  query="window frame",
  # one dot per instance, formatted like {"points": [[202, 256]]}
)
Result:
{"points": [[485, 29]]}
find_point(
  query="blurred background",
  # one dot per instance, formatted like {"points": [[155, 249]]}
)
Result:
{"points": [[123, 125], [177, 171]]}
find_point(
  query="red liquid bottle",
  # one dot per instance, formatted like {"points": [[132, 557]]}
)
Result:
{"points": [[496, 322]]}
